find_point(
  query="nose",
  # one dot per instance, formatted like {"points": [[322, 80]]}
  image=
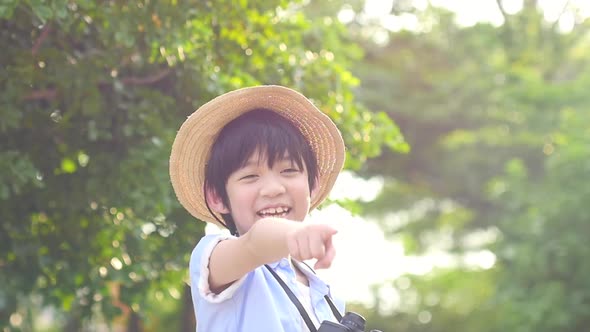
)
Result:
{"points": [[272, 187]]}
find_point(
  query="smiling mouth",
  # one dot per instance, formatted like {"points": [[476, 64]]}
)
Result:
{"points": [[280, 212]]}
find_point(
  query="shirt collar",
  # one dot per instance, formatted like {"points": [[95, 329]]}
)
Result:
{"points": [[315, 283], [281, 263]]}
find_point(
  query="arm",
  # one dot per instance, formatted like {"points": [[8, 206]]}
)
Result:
{"points": [[267, 241]]}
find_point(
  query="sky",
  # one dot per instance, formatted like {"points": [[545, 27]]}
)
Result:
{"points": [[469, 12]]}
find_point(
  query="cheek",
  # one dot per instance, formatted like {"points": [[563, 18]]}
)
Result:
{"points": [[302, 188], [241, 195]]}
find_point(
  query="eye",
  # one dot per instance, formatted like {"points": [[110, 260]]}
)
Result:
{"points": [[291, 170], [248, 177]]}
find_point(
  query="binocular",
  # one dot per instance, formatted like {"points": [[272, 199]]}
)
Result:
{"points": [[350, 322]]}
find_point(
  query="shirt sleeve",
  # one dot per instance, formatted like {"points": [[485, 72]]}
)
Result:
{"points": [[199, 271]]}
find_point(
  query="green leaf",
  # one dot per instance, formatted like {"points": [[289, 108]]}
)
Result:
{"points": [[43, 12], [68, 165]]}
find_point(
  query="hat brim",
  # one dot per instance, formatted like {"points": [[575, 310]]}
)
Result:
{"points": [[193, 142]]}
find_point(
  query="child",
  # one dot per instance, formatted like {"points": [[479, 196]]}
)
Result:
{"points": [[256, 161]]}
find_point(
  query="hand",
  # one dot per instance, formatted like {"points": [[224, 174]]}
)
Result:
{"points": [[313, 241]]}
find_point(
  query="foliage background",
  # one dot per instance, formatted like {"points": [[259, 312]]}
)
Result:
{"points": [[496, 116]]}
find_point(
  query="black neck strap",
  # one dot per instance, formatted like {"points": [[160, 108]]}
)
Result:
{"points": [[335, 311], [298, 304]]}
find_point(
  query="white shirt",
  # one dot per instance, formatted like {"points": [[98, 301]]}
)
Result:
{"points": [[255, 302]]}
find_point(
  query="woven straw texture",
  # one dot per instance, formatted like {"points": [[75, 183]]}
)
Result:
{"points": [[191, 147]]}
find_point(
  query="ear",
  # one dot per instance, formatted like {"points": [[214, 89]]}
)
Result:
{"points": [[215, 202]]}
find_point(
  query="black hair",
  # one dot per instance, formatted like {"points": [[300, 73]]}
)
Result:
{"points": [[261, 130]]}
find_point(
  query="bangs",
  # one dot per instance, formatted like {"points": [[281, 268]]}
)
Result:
{"points": [[271, 144]]}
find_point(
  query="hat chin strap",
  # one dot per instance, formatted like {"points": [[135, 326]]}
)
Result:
{"points": [[230, 226]]}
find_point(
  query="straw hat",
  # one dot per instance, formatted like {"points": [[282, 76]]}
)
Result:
{"points": [[193, 142]]}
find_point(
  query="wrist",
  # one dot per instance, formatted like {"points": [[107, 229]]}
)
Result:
{"points": [[267, 239]]}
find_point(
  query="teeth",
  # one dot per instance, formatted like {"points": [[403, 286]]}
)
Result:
{"points": [[274, 211]]}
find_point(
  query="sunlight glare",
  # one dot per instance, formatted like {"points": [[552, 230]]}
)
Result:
{"points": [[376, 8], [364, 257], [483, 259], [346, 14], [389, 299], [404, 21], [512, 7], [552, 9], [350, 186], [469, 13]]}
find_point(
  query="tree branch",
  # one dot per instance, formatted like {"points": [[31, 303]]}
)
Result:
{"points": [[565, 6], [148, 79], [502, 10], [50, 94], [42, 37]]}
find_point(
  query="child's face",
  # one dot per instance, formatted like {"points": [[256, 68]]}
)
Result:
{"points": [[256, 191]]}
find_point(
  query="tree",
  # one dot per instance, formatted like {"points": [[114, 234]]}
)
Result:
{"points": [[494, 116], [92, 95]]}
